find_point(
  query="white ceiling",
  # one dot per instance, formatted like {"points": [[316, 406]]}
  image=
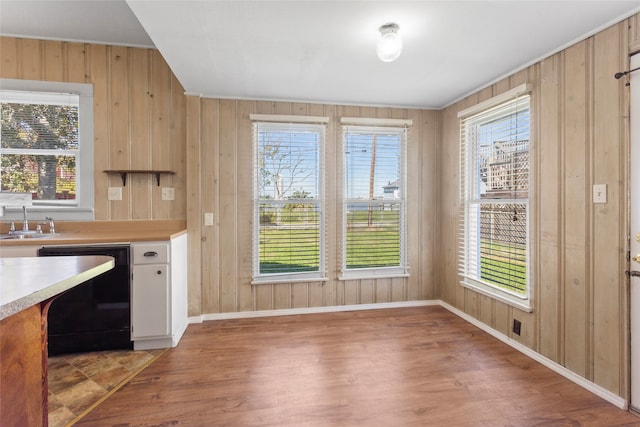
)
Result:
{"points": [[324, 51]]}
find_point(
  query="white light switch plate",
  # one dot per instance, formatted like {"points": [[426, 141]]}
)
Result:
{"points": [[168, 193], [208, 218], [600, 193], [115, 193]]}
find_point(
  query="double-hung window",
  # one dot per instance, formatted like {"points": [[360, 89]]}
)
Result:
{"points": [[374, 198], [494, 245], [46, 146], [288, 199]]}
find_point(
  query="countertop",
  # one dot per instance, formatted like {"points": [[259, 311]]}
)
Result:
{"points": [[95, 232], [30, 281]]}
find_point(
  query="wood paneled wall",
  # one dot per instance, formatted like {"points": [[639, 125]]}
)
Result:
{"points": [[634, 34], [139, 117], [220, 181], [578, 258]]}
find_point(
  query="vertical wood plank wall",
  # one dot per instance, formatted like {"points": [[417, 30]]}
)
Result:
{"points": [[139, 118], [580, 115], [224, 184]]}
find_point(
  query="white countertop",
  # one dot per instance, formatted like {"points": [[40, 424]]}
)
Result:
{"points": [[25, 282]]}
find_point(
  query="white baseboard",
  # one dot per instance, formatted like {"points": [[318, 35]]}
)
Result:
{"points": [[310, 310], [599, 391], [554, 366]]}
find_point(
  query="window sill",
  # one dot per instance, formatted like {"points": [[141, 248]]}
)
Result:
{"points": [[375, 273], [521, 303], [373, 276], [279, 279]]}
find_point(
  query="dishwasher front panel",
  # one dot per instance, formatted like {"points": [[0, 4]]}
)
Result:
{"points": [[95, 315]]}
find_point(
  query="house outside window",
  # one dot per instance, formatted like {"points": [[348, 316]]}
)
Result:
{"points": [[495, 164], [46, 147], [374, 198], [289, 241]]}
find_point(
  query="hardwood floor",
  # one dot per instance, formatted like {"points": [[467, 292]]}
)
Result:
{"points": [[399, 367]]}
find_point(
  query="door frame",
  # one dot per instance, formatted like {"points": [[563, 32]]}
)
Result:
{"points": [[634, 229]]}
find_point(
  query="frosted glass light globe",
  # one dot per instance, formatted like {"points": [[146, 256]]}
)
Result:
{"points": [[390, 43]]}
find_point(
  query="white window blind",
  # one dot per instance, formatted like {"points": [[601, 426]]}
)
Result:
{"points": [[374, 201], [289, 205], [46, 147], [40, 144], [494, 253]]}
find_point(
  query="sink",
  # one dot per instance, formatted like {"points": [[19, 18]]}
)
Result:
{"points": [[26, 236]]}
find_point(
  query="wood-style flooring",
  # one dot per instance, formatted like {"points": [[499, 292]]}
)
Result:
{"points": [[77, 381], [399, 367]]}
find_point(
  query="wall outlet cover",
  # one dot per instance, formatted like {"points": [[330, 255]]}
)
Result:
{"points": [[168, 193], [115, 193], [517, 326]]}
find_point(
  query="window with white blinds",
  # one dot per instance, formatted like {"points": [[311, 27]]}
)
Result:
{"points": [[45, 144], [374, 201], [289, 205], [494, 250]]}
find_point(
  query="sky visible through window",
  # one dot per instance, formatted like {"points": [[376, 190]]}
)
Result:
{"points": [[513, 127], [359, 152], [289, 164], [290, 161]]}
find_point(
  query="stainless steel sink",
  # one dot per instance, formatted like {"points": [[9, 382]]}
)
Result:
{"points": [[26, 236]]}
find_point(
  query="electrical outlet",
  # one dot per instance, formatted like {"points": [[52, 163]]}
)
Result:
{"points": [[168, 193], [115, 193], [517, 325]]}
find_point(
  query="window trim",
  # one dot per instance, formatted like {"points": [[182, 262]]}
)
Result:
{"points": [[522, 302], [83, 208], [382, 125], [320, 275]]}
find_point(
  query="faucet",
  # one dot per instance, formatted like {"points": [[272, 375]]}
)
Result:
{"points": [[25, 223], [52, 225]]}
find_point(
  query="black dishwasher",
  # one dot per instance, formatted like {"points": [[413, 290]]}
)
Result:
{"points": [[95, 315]]}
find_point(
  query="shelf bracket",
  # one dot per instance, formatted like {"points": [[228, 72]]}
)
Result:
{"points": [[124, 172]]}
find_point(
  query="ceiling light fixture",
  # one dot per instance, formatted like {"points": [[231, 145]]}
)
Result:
{"points": [[389, 43]]}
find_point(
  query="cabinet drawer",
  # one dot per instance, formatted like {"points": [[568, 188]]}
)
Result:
{"points": [[150, 253]]}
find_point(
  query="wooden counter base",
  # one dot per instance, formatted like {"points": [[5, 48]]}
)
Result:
{"points": [[23, 329], [23, 369]]}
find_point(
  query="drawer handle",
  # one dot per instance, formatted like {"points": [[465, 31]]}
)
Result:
{"points": [[151, 253]]}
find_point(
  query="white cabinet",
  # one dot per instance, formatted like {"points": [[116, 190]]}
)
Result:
{"points": [[150, 314], [158, 293]]}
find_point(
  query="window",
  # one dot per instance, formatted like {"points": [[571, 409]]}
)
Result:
{"points": [[46, 146], [374, 199], [288, 200], [494, 251]]}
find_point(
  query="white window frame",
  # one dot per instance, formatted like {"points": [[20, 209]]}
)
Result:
{"points": [[82, 208], [400, 127], [288, 122], [520, 301]]}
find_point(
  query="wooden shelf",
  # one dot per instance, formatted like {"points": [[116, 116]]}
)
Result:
{"points": [[124, 172]]}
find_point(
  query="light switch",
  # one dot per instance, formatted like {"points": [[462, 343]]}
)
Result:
{"points": [[115, 193], [168, 193], [208, 218], [600, 193]]}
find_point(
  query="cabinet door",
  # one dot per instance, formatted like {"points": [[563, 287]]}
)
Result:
{"points": [[150, 315]]}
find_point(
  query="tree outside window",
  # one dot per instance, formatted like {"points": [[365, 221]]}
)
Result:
{"points": [[40, 145]]}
